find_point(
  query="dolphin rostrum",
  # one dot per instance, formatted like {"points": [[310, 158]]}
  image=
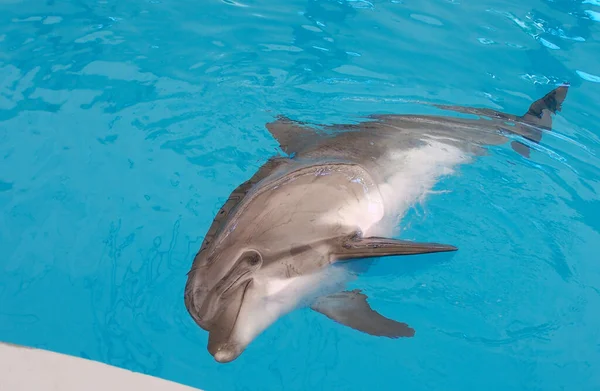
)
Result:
{"points": [[276, 243]]}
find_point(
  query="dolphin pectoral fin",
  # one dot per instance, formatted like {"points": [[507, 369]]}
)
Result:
{"points": [[351, 309], [521, 149], [357, 247]]}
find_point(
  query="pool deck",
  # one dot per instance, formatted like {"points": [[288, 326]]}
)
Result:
{"points": [[28, 369]]}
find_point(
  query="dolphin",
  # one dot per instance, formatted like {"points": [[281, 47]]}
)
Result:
{"points": [[284, 238]]}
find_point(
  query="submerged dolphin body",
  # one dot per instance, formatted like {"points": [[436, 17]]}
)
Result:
{"points": [[273, 245]]}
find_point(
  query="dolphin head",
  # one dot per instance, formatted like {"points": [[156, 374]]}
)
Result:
{"points": [[214, 296], [265, 256]]}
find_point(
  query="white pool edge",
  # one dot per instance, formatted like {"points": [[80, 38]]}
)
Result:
{"points": [[29, 369]]}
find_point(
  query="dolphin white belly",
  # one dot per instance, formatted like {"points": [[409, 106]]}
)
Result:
{"points": [[408, 176]]}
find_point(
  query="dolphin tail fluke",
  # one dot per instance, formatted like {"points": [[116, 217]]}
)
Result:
{"points": [[351, 309], [539, 118], [529, 125], [539, 113]]}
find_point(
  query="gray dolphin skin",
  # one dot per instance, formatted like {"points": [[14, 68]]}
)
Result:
{"points": [[284, 238]]}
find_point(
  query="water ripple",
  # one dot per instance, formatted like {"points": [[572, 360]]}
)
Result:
{"points": [[125, 125]]}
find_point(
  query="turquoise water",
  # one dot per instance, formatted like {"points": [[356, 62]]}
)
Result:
{"points": [[125, 125]]}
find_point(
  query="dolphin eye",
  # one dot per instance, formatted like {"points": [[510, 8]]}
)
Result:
{"points": [[253, 259]]}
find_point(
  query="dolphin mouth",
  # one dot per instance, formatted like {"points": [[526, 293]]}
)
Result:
{"points": [[235, 282], [220, 344]]}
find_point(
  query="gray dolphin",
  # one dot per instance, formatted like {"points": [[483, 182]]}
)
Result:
{"points": [[277, 242]]}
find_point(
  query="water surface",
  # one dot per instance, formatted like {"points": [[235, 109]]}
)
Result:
{"points": [[124, 126]]}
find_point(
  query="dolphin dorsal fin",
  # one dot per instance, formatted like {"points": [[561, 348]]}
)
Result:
{"points": [[293, 136]]}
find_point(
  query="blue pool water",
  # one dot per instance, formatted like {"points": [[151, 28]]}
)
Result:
{"points": [[124, 125]]}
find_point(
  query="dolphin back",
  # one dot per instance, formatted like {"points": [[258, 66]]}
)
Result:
{"points": [[296, 137]]}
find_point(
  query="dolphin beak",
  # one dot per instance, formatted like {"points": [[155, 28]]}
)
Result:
{"points": [[221, 340], [225, 353]]}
